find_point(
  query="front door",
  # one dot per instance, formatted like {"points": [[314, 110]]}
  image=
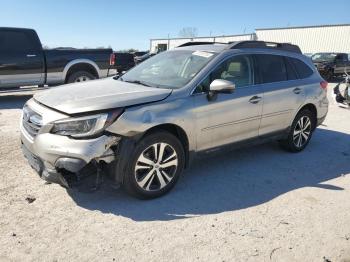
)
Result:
{"points": [[21, 61], [229, 118]]}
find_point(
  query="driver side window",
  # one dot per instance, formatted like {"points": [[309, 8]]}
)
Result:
{"points": [[237, 69]]}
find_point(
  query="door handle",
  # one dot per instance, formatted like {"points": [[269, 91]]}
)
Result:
{"points": [[31, 55], [255, 99], [297, 90]]}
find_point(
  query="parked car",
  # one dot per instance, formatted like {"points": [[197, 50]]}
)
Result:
{"points": [[139, 59], [140, 53], [331, 65], [146, 126], [24, 62], [308, 54], [123, 61]]}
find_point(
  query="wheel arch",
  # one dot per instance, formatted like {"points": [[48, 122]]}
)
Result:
{"points": [[312, 108], [81, 65], [175, 130]]}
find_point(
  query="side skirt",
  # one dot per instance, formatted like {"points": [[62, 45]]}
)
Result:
{"points": [[241, 144]]}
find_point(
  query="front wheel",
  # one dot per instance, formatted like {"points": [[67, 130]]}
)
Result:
{"points": [[300, 132], [155, 166]]}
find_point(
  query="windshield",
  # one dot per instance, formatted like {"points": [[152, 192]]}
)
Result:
{"points": [[173, 69], [323, 57]]}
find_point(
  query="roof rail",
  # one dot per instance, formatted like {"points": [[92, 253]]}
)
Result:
{"points": [[265, 45], [199, 43]]}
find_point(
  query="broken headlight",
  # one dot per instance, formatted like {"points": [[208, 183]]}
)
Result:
{"points": [[85, 126]]}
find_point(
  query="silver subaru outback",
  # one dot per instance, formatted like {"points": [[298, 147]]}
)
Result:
{"points": [[144, 127]]}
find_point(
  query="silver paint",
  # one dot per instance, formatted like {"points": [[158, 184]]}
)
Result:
{"points": [[245, 113]]}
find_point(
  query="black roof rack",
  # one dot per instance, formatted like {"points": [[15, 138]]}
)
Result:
{"points": [[251, 44], [199, 43], [264, 45]]}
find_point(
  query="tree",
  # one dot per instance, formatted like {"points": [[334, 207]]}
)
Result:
{"points": [[130, 50], [188, 32]]}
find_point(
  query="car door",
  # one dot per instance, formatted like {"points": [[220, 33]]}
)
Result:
{"points": [[231, 117], [21, 60], [283, 93]]}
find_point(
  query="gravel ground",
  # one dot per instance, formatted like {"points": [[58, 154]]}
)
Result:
{"points": [[254, 204]]}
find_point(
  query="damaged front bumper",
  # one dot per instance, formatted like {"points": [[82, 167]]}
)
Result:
{"points": [[57, 158]]}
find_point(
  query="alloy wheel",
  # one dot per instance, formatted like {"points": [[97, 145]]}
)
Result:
{"points": [[156, 167], [302, 131]]}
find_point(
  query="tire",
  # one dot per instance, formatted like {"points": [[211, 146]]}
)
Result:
{"points": [[80, 76], [147, 179], [303, 126]]}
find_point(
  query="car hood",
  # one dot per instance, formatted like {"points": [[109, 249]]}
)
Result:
{"points": [[98, 95]]}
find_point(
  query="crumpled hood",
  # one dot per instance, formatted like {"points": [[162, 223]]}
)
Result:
{"points": [[98, 95]]}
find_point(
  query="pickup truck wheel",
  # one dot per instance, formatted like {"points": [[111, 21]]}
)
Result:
{"points": [[155, 166], [300, 132], [80, 76]]}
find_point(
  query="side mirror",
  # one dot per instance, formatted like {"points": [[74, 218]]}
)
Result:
{"points": [[222, 86]]}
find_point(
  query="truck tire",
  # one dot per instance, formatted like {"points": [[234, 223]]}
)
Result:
{"points": [[80, 76]]}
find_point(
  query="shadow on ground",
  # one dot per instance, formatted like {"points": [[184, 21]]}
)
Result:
{"points": [[237, 180], [13, 101]]}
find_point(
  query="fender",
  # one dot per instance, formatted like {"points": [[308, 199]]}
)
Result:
{"points": [[80, 61]]}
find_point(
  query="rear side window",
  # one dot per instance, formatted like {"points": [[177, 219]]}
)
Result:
{"points": [[272, 68], [342, 57], [302, 69], [291, 74], [16, 41]]}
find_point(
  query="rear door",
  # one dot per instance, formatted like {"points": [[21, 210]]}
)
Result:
{"points": [[282, 93], [21, 58]]}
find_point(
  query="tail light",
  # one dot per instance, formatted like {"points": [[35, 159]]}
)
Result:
{"points": [[112, 59], [324, 85]]}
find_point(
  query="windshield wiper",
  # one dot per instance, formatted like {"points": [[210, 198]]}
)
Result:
{"points": [[136, 82]]}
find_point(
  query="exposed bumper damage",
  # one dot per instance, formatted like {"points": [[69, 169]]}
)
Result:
{"points": [[66, 161]]}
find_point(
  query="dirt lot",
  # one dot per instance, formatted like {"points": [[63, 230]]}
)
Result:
{"points": [[254, 204]]}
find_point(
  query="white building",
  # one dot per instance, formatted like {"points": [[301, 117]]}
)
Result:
{"points": [[165, 44], [310, 39]]}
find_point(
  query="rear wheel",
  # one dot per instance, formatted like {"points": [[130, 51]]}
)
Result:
{"points": [[81, 76], [300, 132], [155, 166]]}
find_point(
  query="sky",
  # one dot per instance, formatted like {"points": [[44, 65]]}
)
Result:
{"points": [[131, 24]]}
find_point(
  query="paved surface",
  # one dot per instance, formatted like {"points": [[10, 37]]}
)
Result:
{"points": [[254, 204]]}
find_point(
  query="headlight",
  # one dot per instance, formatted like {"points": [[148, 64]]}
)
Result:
{"points": [[84, 126]]}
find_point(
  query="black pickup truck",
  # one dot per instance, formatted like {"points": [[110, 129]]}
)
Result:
{"points": [[24, 62], [123, 61], [331, 64]]}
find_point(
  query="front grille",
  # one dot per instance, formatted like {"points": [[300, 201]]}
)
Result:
{"points": [[32, 121]]}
